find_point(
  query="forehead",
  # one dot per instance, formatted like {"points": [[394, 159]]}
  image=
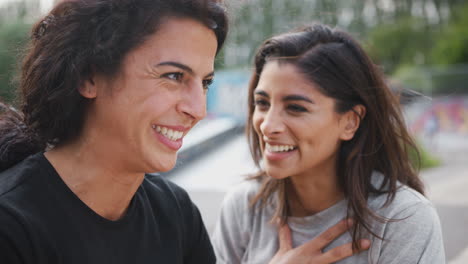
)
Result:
{"points": [[285, 78], [181, 40]]}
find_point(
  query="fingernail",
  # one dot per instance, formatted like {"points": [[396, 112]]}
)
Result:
{"points": [[350, 221]]}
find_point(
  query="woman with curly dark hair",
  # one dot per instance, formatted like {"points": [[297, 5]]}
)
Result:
{"points": [[108, 90], [330, 141]]}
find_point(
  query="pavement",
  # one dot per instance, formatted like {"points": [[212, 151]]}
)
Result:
{"points": [[447, 188], [214, 170]]}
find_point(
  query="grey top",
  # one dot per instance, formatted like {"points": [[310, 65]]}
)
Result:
{"points": [[244, 234]]}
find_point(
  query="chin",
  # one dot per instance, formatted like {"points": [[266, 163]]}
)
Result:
{"points": [[277, 174], [163, 165], [167, 167]]}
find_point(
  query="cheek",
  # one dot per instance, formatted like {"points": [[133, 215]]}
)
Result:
{"points": [[326, 139], [160, 98]]}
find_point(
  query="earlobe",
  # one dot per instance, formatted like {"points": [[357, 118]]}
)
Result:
{"points": [[88, 89], [352, 121]]}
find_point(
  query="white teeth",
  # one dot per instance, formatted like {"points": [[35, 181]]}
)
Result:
{"points": [[279, 148], [168, 133]]}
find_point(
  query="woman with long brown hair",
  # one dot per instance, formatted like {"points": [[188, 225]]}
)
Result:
{"points": [[330, 141]]}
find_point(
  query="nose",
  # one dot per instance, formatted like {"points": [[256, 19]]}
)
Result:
{"points": [[193, 102], [272, 123]]}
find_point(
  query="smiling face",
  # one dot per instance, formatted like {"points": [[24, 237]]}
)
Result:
{"points": [[142, 115], [298, 128]]}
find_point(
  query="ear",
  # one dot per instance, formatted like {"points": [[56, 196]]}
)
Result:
{"points": [[351, 121], [89, 88]]}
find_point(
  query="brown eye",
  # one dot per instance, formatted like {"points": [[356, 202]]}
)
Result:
{"points": [[296, 108], [207, 83], [176, 76], [261, 104]]}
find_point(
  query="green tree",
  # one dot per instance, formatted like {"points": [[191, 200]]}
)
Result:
{"points": [[406, 42], [401, 31], [452, 44], [13, 37]]}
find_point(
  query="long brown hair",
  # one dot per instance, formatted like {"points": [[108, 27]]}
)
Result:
{"points": [[78, 38], [334, 61]]}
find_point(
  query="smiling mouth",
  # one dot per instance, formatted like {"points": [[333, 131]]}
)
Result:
{"points": [[168, 133], [279, 148]]}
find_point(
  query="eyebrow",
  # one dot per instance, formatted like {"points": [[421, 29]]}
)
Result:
{"points": [[262, 93], [295, 97], [182, 67], [292, 97]]}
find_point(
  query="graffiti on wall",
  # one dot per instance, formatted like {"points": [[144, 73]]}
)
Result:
{"points": [[449, 114]]}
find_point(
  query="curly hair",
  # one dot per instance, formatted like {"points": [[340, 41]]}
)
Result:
{"points": [[76, 39]]}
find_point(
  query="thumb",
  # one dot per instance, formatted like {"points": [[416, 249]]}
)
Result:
{"points": [[285, 241]]}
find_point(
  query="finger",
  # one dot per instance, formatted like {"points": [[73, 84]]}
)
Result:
{"points": [[338, 253], [285, 241], [329, 235], [365, 244], [344, 251]]}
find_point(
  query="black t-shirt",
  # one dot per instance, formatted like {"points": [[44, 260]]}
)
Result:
{"points": [[43, 222]]}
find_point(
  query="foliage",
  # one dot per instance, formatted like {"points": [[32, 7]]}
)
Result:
{"points": [[447, 68], [399, 35], [451, 45], [400, 32], [426, 160], [431, 80], [13, 37], [414, 78], [406, 42]]}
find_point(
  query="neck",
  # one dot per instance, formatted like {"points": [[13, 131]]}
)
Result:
{"points": [[93, 174], [314, 192]]}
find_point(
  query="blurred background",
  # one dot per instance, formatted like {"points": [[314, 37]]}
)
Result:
{"points": [[421, 45]]}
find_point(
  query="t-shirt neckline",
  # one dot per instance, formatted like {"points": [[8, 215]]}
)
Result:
{"points": [[58, 185]]}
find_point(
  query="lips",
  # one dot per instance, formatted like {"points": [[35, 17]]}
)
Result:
{"points": [[172, 137], [279, 147], [171, 134], [277, 151]]}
